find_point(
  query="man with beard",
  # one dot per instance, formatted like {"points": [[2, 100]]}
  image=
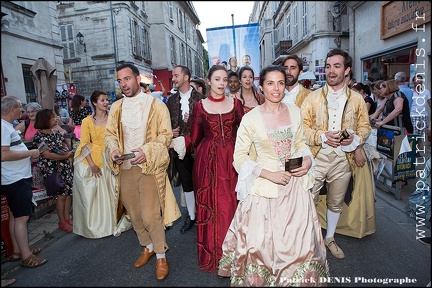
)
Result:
{"points": [[180, 106], [137, 136], [327, 113], [294, 92]]}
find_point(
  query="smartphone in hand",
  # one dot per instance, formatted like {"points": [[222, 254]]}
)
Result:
{"points": [[293, 163], [126, 156], [344, 135]]}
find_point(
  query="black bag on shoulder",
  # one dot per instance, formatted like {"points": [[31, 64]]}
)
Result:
{"points": [[54, 183]]}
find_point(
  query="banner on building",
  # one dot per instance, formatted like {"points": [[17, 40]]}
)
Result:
{"points": [[240, 41]]}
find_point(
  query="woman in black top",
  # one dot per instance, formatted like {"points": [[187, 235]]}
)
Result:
{"points": [[78, 113], [396, 104], [364, 90]]}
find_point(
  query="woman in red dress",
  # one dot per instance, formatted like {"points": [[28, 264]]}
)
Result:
{"points": [[214, 126], [249, 96]]}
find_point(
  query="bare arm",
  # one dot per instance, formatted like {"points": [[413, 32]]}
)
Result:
{"points": [[377, 112], [21, 126], [54, 156], [398, 104], [368, 105], [10, 155]]}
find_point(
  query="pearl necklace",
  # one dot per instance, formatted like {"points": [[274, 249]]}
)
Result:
{"points": [[211, 98]]}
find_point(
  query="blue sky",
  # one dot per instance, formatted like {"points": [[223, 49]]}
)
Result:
{"points": [[218, 14]]}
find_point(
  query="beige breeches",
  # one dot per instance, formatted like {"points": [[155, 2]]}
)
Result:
{"points": [[336, 172], [139, 195]]}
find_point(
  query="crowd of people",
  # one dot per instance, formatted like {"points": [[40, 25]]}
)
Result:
{"points": [[226, 143]]}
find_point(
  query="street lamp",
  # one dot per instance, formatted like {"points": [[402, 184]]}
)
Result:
{"points": [[5, 25], [80, 38]]}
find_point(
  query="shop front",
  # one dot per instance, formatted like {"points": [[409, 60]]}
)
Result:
{"points": [[383, 65], [389, 37]]}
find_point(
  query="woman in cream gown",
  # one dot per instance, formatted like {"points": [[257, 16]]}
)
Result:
{"points": [[275, 236], [95, 200]]}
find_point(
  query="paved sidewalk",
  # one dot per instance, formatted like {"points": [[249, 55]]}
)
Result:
{"points": [[42, 228]]}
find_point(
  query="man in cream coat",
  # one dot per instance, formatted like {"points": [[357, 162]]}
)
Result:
{"points": [[145, 191]]}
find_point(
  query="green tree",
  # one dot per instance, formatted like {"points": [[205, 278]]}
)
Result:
{"points": [[205, 63]]}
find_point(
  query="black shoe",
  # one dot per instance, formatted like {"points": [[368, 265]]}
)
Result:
{"points": [[425, 240], [188, 224]]}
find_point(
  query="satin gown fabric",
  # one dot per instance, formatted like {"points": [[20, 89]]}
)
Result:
{"points": [[94, 202], [214, 178], [274, 240]]}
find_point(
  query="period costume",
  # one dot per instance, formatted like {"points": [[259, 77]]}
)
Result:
{"points": [[275, 237], [212, 138], [358, 216], [354, 116], [258, 96], [296, 95], [328, 110], [176, 106], [96, 200], [146, 124], [180, 170]]}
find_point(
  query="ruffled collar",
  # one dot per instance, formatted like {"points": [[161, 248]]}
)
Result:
{"points": [[132, 105], [187, 94], [334, 96]]}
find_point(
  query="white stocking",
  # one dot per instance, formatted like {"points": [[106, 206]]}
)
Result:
{"points": [[190, 203], [332, 221]]}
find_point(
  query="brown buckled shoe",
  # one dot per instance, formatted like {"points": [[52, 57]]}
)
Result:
{"points": [[335, 250], [162, 269], [144, 257]]}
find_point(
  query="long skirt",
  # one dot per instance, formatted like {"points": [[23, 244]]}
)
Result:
{"points": [[275, 241], [94, 203]]}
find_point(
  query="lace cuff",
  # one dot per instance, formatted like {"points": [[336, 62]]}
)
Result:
{"points": [[347, 148], [354, 143], [179, 146], [85, 150], [246, 177], [323, 139]]}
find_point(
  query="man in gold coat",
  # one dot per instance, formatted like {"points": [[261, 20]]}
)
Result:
{"points": [[140, 124], [327, 113]]}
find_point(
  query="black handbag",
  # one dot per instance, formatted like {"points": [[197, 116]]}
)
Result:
{"points": [[54, 184]]}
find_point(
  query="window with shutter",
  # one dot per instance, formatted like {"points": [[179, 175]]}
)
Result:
{"points": [[67, 38]]}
